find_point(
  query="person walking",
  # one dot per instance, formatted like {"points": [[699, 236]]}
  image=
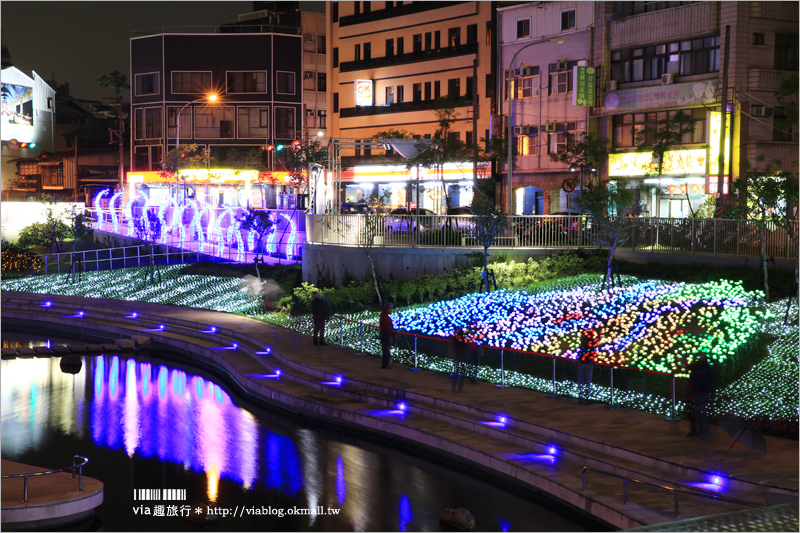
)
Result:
{"points": [[590, 340], [700, 394], [320, 311], [385, 332]]}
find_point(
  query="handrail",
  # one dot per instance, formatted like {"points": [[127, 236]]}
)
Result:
{"points": [[72, 469], [663, 487]]}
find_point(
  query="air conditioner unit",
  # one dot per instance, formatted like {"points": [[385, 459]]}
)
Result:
{"points": [[309, 75], [517, 72], [562, 65], [527, 71], [668, 79], [611, 85], [550, 127], [517, 130], [762, 111], [524, 130], [310, 112]]}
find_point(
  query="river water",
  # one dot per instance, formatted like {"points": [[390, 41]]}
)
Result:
{"points": [[146, 423]]}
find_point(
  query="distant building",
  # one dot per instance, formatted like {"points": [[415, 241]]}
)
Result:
{"points": [[27, 126]]}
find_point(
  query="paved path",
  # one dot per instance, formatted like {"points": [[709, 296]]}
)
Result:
{"points": [[623, 442]]}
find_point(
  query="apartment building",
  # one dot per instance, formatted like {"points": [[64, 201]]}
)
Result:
{"points": [[391, 64]]}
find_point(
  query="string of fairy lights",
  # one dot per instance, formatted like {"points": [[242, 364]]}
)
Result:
{"points": [[646, 324]]}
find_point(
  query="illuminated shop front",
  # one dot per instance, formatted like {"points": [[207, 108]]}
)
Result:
{"points": [[399, 186]]}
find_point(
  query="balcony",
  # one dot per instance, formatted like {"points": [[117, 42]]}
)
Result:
{"points": [[414, 57], [405, 107], [759, 79], [665, 25], [399, 11]]}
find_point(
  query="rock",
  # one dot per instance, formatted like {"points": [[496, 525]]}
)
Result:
{"points": [[458, 518], [125, 344], [140, 340]]}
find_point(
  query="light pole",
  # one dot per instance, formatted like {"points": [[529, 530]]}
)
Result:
{"points": [[208, 98], [572, 168], [511, 99]]}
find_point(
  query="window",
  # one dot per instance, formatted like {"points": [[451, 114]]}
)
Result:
{"points": [[147, 84], [454, 37], [138, 124], [416, 92], [49, 102], [428, 90], [523, 28], [389, 96], [191, 82], [322, 47], [528, 144], [367, 7], [335, 11], [560, 82], [470, 88], [758, 38], [253, 122], [454, 87], [780, 133], [528, 86], [453, 137], [428, 40], [568, 20], [558, 140], [367, 51], [786, 51], [285, 83], [630, 126], [400, 94], [437, 89], [323, 118], [336, 57], [357, 8], [417, 43], [335, 102], [214, 122], [322, 82], [152, 123], [247, 82], [186, 122], [285, 123], [400, 49], [437, 39], [472, 34], [389, 47], [357, 53], [685, 58]]}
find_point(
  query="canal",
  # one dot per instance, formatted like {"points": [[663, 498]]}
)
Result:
{"points": [[150, 423]]}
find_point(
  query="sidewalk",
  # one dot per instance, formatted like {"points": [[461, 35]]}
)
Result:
{"points": [[623, 442]]}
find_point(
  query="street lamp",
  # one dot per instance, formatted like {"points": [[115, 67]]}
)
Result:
{"points": [[575, 167], [207, 98], [510, 197]]}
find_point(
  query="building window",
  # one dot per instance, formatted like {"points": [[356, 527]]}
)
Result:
{"points": [[247, 82], [427, 90], [453, 137], [322, 46], [285, 123], [558, 140], [528, 86], [416, 41], [335, 11], [780, 134], [685, 58], [322, 82], [335, 102], [428, 41], [357, 52], [367, 51], [367, 7], [400, 42], [437, 89], [472, 34], [454, 37], [560, 82], [147, 84], [186, 122], [138, 124], [322, 115], [285, 83], [786, 51], [454, 87], [416, 92], [523, 28], [389, 47], [148, 123], [470, 89], [568, 20], [214, 122], [758, 38], [191, 82], [633, 128], [437, 39], [335, 57], [389, 95], [356, 8], [253, 122], [400, 94], [528, 143]]}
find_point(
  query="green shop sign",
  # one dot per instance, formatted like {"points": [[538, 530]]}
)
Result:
{"points": [[584, 81]]}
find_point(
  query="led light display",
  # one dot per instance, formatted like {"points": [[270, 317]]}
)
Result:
{"points": [[113, 211]]}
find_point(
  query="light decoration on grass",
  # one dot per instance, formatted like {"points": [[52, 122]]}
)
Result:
{"points": [[113, 211]]}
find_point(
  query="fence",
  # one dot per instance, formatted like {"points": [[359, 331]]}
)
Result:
{"points": [[76, 466], [121, 257], [719, 237], [618, 386]]}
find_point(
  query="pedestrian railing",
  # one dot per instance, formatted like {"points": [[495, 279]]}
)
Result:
{"points": [[673, 490], [114, 258], [76, 466]]}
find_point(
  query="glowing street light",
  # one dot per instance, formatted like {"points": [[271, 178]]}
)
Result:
{"points": [[210, 98]]}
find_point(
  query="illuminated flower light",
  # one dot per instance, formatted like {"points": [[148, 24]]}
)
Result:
{"points": [[131, 223], [271, 245], [218, 230], [290, 252], [163, 205], [99, 208], [113, 211], [196, 226]]}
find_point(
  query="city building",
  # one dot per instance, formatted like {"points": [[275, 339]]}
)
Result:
{"points": [[659, 58], [391, 65], [545, 48]]}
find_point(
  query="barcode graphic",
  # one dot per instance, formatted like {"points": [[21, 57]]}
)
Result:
{"points": [[159, 494]]}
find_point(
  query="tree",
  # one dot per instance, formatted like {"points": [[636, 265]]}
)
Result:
{"points": [[90, 136], [115, 80], [297, 159], [606, 205], [768, 200], [180, 157], [257, 221], [79, 230], [490, 223]]}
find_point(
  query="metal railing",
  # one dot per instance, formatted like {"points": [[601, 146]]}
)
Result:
{"points": [[120, 257], [719, 237], [674, 490], [75, 466]]}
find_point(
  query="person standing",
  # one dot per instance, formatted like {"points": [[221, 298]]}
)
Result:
{"points": [[385, 332], [475, 352], [700, 394], [590, 340], [320, 311], [460, 350]]}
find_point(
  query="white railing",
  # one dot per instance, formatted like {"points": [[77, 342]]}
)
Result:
{"points": [[720, 237]]}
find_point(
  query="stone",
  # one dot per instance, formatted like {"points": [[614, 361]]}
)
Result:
{"points": [[458, 518], [125, 344], [109, 347], [60, 348], [93, 348], [140, 340]]}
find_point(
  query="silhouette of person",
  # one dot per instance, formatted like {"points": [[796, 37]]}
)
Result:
{"points": [[700, 394], [385, 332]]}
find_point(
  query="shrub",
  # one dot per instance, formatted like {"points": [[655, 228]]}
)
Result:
{"points": [[15, 261]]}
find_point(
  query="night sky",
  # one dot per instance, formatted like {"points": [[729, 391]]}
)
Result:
{"points": [[80, 40]]}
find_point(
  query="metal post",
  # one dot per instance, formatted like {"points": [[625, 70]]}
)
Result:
{"points": [[25, 490], [502, 372], [415, 353], [673, 417], [612, 405], [361, 337], [554, 394]]}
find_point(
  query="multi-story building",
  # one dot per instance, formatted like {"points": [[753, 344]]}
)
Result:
{"points": [[658, 58], [541, 43], [390, 65]]}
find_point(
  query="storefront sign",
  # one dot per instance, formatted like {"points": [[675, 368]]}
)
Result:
{"points": [[715, 123], [641, 163], [363, 92], [712, 184], [584, 81], [661, 96]]}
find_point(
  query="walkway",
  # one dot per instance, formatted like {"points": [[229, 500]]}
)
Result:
{"points": [[464, 427]]}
